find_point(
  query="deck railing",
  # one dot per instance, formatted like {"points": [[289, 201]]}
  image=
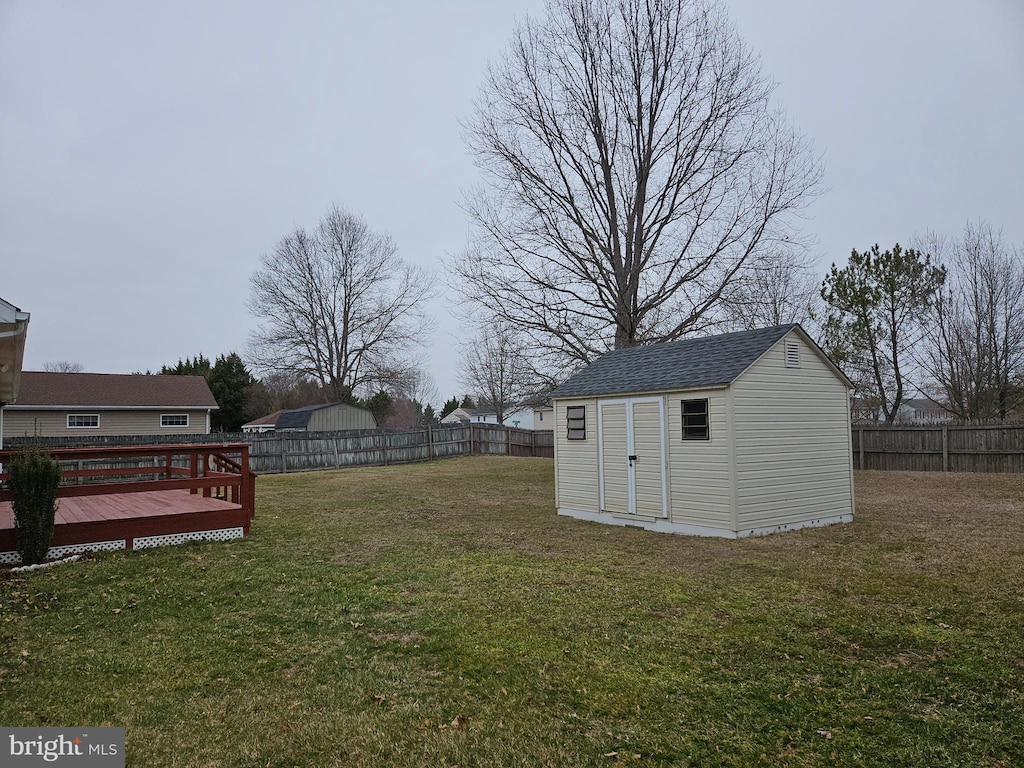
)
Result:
{"points": [[218, 471]]}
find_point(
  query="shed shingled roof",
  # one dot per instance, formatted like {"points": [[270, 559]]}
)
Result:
{"points": [[686, 364], [113, 390], [297, 418]]}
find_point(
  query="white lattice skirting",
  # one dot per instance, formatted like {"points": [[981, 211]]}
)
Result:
{"points": [[141, 542], [55, 553], [224, 534]]}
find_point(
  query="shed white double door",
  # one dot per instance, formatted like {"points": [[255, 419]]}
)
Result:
{"points": [[631, 448]]}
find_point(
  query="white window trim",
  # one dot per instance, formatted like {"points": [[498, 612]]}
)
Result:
{"points": [[175, 415], [83, 426]]}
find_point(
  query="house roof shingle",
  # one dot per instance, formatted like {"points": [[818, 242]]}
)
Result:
{"points": [[686, 364], [297, 418], [113, 390], [270, 418]]}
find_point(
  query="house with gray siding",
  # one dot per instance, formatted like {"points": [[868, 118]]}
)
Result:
{"points": [[733, 435], [93, 404]]}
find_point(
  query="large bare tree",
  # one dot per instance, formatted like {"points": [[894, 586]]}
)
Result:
{"points": [[337, 304], [635, 161], [974, 351]]}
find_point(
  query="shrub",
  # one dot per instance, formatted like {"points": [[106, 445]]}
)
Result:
{"points": [[33, 478]]}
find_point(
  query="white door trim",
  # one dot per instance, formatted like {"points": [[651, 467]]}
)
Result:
{"points": [[629, 402]]}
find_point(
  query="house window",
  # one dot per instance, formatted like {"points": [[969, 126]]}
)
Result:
{"points": [[695, 420], [173, 419], [792, 354], [83, 420], [541, 415], [576, 422]]}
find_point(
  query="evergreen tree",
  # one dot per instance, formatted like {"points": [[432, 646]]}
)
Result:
{"points": [[195, 366], [229, 381], [878, 303], [449, 405], [381, 405], [429, 417]]}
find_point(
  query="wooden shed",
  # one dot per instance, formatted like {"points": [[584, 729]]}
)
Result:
{"points": [[325, 417], [734, 435]]}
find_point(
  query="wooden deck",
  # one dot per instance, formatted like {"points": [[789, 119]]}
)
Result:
{"points": [[173, 494]]}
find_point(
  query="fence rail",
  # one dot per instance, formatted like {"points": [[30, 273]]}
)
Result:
{"points": [[945, 448], [276, 452]]}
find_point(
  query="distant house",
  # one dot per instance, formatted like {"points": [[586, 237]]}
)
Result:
{"points": [[325, 417], [914, 410], [75, 404], [520, 418], [543, 416], [525, 417], [263, 423], [458, 416], [921, 410], [733, 435]]}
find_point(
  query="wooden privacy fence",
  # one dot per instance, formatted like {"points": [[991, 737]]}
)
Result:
{"points": [[945, 448], [301, 451], [275, 452]]}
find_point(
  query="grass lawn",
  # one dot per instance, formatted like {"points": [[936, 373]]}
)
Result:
{"points": [[441, 614]]}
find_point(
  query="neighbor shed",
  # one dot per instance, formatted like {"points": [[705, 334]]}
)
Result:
{"points": [[733, 435], [325, 417]]}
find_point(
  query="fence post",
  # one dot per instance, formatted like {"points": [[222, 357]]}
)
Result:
{"points": [[337, 458], [387, 441], [430, 442], [945, 448], [860, 447], [508, 441], [284, 455]]}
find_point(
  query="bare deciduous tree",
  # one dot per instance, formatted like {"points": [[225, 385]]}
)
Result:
{"points": [[775, 288], [338, 305], [636, 162], [496, 366], [975, 349], [63, 366]]}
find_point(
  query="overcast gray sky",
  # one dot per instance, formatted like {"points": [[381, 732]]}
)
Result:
{"points": [[151, 152]]}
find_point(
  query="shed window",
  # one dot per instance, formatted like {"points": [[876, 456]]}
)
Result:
{"points": [[695, 420], [173, 419], [576, 422], [83, 420]]}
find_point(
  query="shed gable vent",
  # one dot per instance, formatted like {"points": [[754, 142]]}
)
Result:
{"points": [[792, 354]]}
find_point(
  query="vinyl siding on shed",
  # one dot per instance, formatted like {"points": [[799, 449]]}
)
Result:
{"points": [[45, 423], [576, 473], [792, 440], [339, 417], [699, 470]]}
